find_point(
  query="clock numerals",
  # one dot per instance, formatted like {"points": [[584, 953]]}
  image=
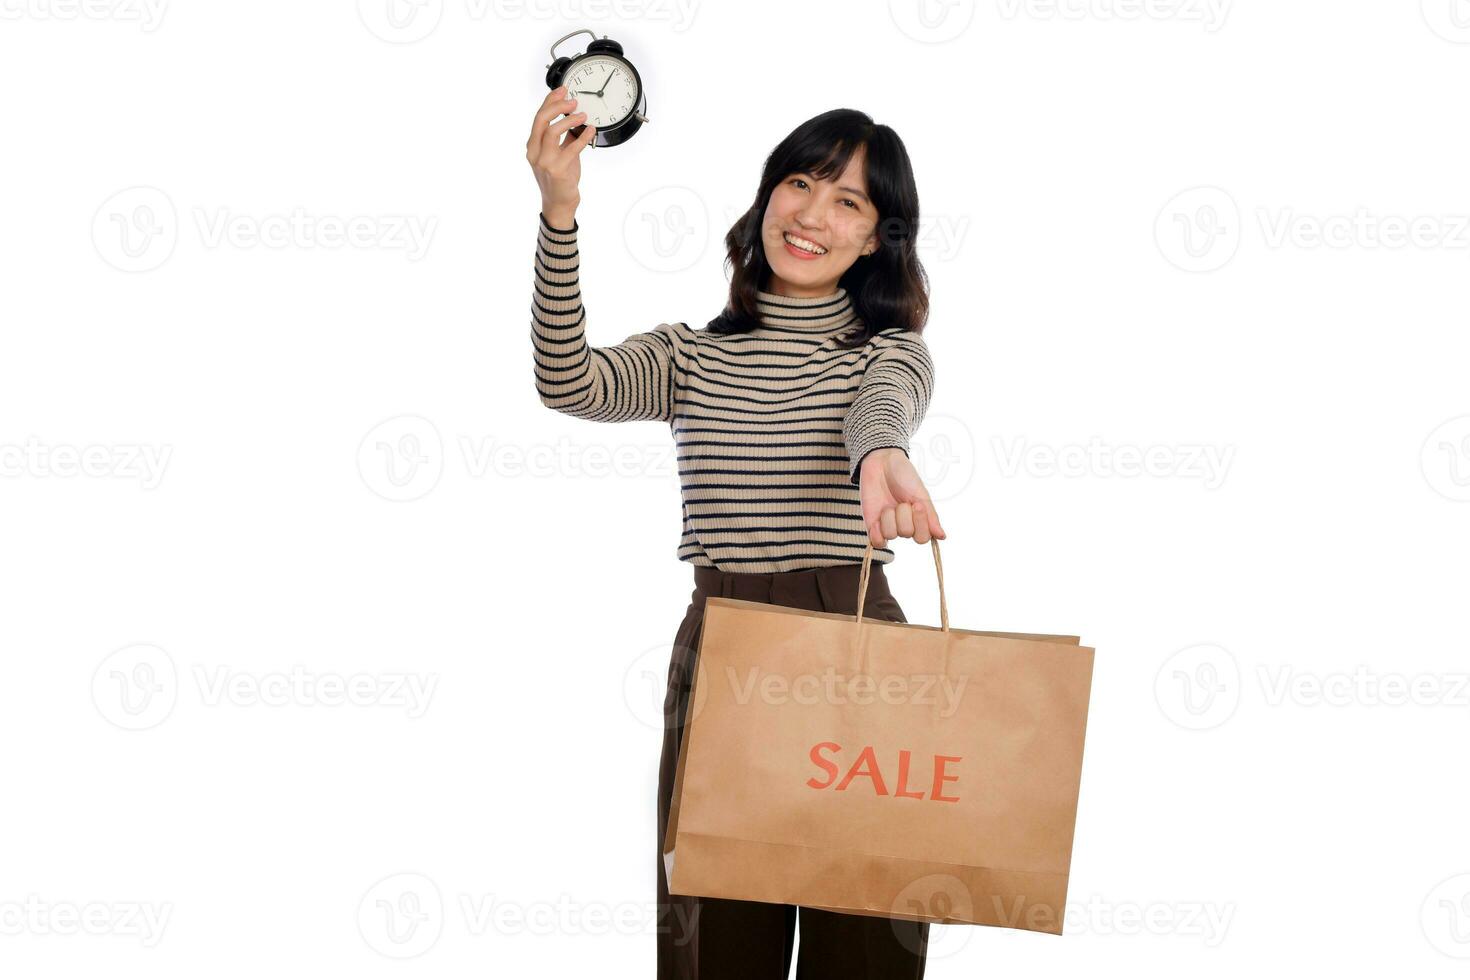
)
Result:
{"points": [[606, 90]]}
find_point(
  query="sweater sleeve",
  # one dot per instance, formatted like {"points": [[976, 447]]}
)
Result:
{"points": [[891, 400], [632, 381]]}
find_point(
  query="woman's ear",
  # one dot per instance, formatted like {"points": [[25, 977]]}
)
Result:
{"points": [[870, 246]]}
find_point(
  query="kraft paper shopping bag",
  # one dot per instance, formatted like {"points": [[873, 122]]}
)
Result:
{"points": [[879, 768]]}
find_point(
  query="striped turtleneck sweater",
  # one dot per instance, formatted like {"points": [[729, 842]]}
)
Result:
{"points": [[770, 427]]}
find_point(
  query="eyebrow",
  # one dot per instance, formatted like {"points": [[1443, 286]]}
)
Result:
{"points": [[850, 190]]}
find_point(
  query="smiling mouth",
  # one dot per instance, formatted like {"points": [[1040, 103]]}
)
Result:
{"points": [[805, 244]]}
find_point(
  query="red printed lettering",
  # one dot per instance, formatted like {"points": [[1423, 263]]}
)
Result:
{"points": [[940, 778], [829, 767], [866, 764]]}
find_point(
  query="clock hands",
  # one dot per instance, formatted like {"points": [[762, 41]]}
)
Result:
{"points": [[598, 94], [610, 74]]}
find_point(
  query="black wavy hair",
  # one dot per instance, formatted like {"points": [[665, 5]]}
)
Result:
{"points": [[888, 288]]}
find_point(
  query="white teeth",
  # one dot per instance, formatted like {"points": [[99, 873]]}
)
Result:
{"points": [[805, 245]]}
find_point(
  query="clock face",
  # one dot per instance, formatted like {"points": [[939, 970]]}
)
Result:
{"points": [[600, 73]]}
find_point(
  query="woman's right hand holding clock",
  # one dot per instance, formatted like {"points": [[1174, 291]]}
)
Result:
{"points": [[556, 161]]}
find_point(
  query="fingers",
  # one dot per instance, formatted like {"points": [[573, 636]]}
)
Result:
{"points": [[587, 136], [875, 534], [918, 521], [888, 517], [878, 534], [922, 533], [549, 107], [931, 517], [555, 103], [903, 517], [551, 141]]}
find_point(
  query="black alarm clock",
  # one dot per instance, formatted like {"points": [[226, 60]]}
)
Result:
{"points": [[606, 86]]}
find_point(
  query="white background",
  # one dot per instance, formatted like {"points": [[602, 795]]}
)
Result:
{"points": [[1182, 231]]}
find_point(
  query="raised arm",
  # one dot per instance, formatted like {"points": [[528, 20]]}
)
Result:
{"points": [[892, 399], [632, 381]]}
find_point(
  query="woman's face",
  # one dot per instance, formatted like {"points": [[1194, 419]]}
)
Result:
{"points": [[833, 219]]}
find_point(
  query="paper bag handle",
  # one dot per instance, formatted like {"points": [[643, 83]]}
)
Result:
{"points": [[938, 571]]}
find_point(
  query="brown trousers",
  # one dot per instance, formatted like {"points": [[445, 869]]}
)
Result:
{"points": [[728, 939]]}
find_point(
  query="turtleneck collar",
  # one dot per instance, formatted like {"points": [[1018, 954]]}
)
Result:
{"points": [[817, 314]]}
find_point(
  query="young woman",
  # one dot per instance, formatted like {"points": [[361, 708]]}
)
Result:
{"points": [[791, 413]]}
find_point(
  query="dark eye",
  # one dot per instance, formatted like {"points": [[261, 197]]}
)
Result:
{"points": [[846, 200]]}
